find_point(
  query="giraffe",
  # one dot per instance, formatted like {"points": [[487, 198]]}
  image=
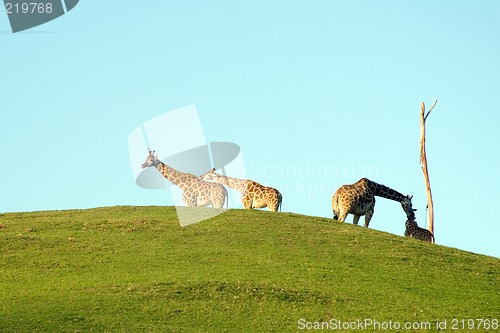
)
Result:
{"points": [[253, 194], [359, 199], [414, 231], [196, 192]]}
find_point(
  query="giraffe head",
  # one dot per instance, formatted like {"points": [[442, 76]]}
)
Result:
{"points": [[407, 207], [209, 175], [152, 160], [410, 223]]}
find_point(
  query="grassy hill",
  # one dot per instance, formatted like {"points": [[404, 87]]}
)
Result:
{"points": [[133, 269]]}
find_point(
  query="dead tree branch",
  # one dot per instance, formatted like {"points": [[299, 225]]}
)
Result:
{"points": [[423, 161]]}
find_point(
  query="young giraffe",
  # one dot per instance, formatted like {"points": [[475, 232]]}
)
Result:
{"points": [[253, 194], [196, 192], [359, 199], [414, 231]]}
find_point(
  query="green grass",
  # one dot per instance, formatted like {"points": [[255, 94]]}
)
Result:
{"points": [[134, 269]]}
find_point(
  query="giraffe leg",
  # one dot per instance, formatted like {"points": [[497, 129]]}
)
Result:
{"points": [[355, 220], [342, 216], [217, 201], [247, 202], [272, 205], [275, 203], [368, 217], [189, 199]]}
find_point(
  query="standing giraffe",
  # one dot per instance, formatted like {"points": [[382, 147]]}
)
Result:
{"points": [[359, 199], [253, 194], [195, 192]]}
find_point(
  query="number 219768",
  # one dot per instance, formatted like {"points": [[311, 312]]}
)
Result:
{"points": [[29, 7]]}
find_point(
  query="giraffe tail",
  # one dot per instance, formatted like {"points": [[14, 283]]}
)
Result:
{"points": [[280, 202]]}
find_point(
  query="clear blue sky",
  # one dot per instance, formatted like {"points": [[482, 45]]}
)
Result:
{"points": [[301, 86]]}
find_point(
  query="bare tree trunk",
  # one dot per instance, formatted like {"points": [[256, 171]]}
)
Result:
{"points": [[423, 161]]}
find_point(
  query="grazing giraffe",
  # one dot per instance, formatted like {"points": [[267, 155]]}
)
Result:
{"points": [[414, 231], [195, 192], [359, 199], [253, 194]]}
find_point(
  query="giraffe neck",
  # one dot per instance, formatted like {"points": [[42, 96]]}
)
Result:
{"points": [[176, 177], [239, 185], [383, 191]]}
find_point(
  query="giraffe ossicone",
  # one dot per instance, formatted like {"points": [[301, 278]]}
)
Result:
{"points": [[253, 194], [359, 199]]}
